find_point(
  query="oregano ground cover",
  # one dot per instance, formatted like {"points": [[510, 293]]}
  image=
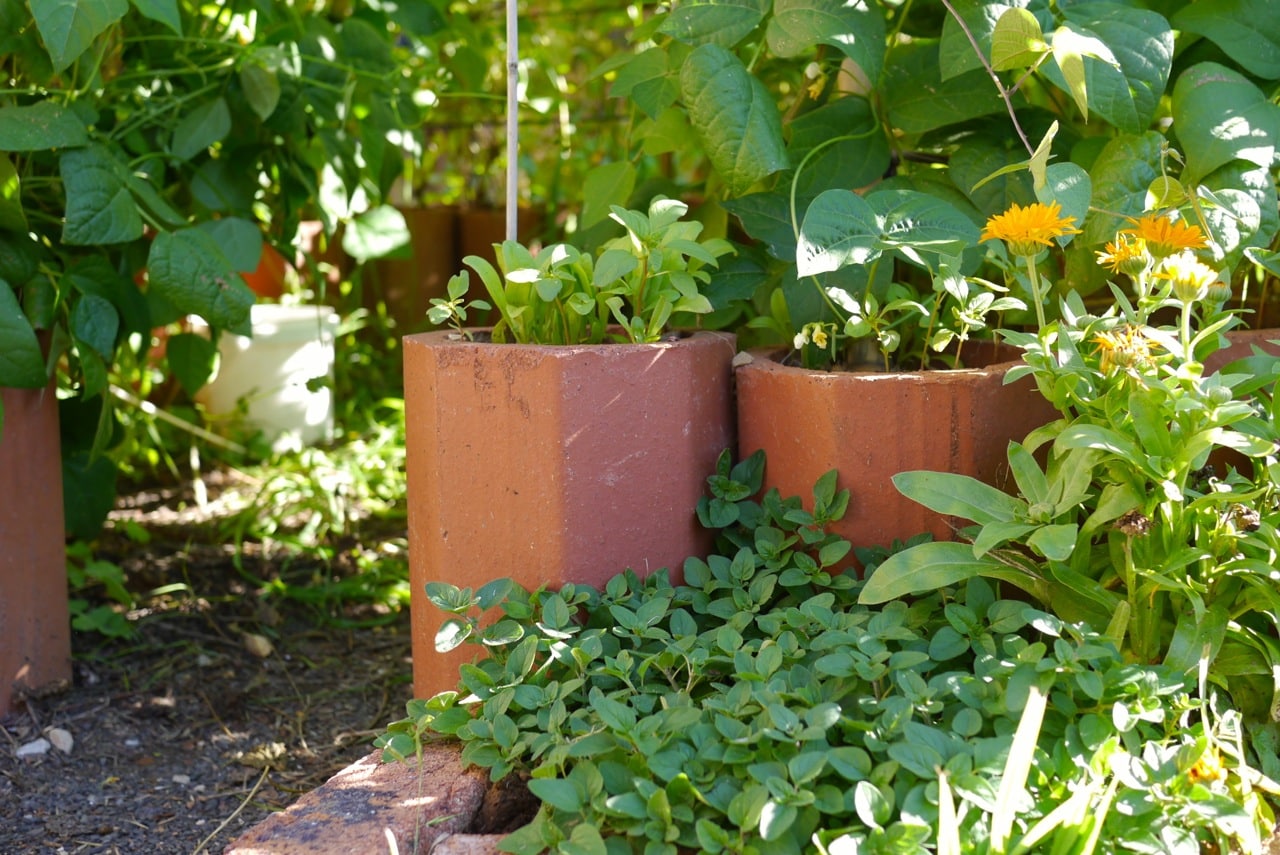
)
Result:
{"points": [[757, 707]]}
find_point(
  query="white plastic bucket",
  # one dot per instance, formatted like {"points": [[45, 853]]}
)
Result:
{"points": [[291, 346]]}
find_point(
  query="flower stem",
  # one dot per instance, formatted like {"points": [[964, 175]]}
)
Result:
{"points": [[1034, 276]]}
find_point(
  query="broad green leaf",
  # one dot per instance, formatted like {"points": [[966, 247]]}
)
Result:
{"points": [[585, 839], [39, 127], [959, 496], [21, 362], [956, 53], [839, 228], [100, 208], [205, 126], [164, 11], [857, 161], [910, 220], [918, 100], [1127, 56], [239, 239], [376, 233], [853, 27], [606, 185], [648, 81], [68, 27], [12, 217], [766, 217], [1017, 41], [721, 22], [1220, 116], [871, 805], [88, 491], [1247, 30], [187, 268], [1069, 186], [95, 322], [192, 359], [924, 568], [1121, 174], [734, 116], [261, 88]]}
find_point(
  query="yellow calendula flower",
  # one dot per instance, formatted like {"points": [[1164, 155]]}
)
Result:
{"points": [[1126, 254], [1164, 236], [1191, 277], [1027, 230], [1125, 348]]}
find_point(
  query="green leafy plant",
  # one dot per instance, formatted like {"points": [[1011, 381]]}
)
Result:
{"points": [[627, 291], [147, 150], [863, 145], [758, 707], [1152, 510]]}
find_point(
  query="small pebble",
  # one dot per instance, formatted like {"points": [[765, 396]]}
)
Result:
{"points": [[131, 743], [61, 739], [36, 748], [181, 779]]}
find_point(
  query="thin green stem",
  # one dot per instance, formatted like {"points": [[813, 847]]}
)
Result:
{"points": [[1034, 276]]}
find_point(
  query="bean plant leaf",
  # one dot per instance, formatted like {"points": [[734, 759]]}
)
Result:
{"points": [[604, 186], [188, 268], [956, 53], [261, 88], [39, 127], [239, 239], [734, 116], [853, 27], [1247, 30], [100, 208], [1017, 41], [840, 228], [918, 99], [376, 233], [68, 27], [164, 11], [720, 22], [205, 126], [648, 81], [1125, 55], [12, 217], [95, 322], [1220, 116], [1121, 174], [192, 359], [21, 362]]}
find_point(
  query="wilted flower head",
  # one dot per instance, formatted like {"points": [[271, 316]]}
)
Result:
{"points": [[1027, 230], [1164, 236], [1189, 276], [1126, 254], [1125, 348]]}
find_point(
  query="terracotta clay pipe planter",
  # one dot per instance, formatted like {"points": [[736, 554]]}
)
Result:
{"points": [[553, 465], [872, 425], [35, 628]]}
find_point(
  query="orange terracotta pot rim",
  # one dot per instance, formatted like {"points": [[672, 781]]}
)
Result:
{"points": [[773, 358], [672, 339]]}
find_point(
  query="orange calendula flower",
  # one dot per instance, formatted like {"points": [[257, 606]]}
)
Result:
{"points": [[1126, 254], [1164, 236], [1027, 230]]}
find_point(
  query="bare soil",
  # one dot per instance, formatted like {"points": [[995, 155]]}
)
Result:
{"points": [[193, 730]]}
